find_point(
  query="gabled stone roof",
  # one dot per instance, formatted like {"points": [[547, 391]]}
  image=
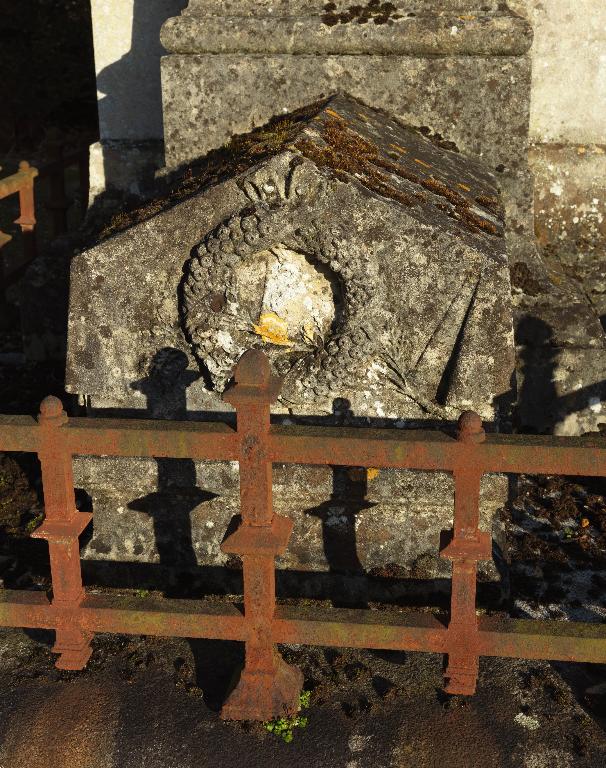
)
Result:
{"points": [[357, 144]]}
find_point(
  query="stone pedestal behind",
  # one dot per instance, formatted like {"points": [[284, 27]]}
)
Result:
{"points": [[459, 69]]}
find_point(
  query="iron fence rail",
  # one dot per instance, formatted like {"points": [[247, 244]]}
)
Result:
{"points": [[329, 446], [268, 686]]}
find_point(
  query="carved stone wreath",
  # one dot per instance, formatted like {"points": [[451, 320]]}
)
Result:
{"points": [[209, 301]]}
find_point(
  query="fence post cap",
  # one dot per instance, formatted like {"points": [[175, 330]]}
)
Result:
{"points": [[253, 380], [470, 429], [253, 370], [52, 408]]}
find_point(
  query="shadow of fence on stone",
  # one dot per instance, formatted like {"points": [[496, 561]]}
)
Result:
{"points": [[539, 407], [178, 495]]}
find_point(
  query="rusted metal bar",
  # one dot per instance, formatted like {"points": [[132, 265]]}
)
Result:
{"points": [[30, 610], [343, 446], [163, 439], [268, 686], [23, 178], [62, 526], [21, 183], [317, 625], [424, 450], [19, 433], [467, 545], [554, 640], [27, 215], [164, 617]]}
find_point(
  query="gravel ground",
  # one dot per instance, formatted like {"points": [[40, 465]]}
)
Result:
{"points": [[153, 703]]}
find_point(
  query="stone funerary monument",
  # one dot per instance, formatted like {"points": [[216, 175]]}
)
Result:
{"points": [[369, 262]]}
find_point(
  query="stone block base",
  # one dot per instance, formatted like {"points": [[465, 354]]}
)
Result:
{"points": [[348, 525]]}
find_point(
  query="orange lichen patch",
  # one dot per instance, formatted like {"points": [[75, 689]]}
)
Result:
{"points": [[467, 18], [350, 155], [584, 523], [273, 329], [372, 473], [422, 162], [491, 204], [332, 113], [464, 187], [398, 148]]}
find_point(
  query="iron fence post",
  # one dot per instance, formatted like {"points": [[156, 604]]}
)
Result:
{"points": [[61, 527], [467, 545], [268, 686]]}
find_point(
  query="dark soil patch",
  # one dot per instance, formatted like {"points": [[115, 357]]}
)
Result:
{"points": [[560, 522]]}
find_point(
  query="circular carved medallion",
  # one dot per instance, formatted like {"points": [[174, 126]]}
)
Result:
{"points": [[266, 279]]}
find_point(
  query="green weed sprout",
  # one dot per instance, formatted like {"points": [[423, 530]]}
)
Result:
{"points": [[284, 726]]}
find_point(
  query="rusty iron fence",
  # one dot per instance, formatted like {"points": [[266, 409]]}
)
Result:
{"points": [[58, 204], [268, 686]]}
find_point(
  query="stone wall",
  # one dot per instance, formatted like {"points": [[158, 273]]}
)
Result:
{"points": [[127, 62], [568, 119]]}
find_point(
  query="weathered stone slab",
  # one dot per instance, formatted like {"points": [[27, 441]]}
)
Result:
{"points": [[368, 261]]}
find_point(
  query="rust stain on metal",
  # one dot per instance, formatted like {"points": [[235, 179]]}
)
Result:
{"points": [[268, 686]]}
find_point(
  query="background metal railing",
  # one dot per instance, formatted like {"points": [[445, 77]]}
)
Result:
{"points": [[22, 184], [56, 201]]}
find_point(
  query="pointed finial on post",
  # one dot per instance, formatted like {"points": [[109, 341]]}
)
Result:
{"points": [[253, 379], [51, 411], [470, 429], [253, 369]]}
